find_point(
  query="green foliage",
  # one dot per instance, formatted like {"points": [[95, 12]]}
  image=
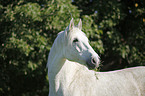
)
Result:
{"points": [[120, 31], [28, 28]]}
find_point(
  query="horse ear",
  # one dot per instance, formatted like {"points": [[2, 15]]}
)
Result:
{"points": [[69, 28], [71, 25], [80, 24]]}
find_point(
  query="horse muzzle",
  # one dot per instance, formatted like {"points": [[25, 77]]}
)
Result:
{"points": [[93, 63]]}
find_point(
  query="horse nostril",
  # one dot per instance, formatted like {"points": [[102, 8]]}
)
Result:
{"points": [[93, 61]]}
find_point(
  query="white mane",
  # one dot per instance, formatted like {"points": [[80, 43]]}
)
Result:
{"points": [[58, 41]]}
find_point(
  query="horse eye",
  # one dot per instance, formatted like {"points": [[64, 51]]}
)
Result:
{"points": [[75, 40]]}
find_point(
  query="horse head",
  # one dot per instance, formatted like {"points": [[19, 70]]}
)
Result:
{"points": [[77, 47]]}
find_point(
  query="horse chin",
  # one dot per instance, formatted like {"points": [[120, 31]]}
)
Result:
{"points": [[88, 64], [91, 66]]}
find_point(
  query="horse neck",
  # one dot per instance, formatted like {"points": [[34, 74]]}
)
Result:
{"points": [[56, 58], [59, 68]]}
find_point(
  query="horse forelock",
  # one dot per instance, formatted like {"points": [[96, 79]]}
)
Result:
{"points": [[76, 32]]}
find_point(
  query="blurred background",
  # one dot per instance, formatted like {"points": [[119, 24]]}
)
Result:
{"points": [[115, 28]]}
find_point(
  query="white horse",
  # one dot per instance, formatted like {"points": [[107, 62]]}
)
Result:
{"points": [[68, 63]]}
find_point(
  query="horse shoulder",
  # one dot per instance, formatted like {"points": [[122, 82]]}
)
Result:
{"points": [[83, 83]]}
